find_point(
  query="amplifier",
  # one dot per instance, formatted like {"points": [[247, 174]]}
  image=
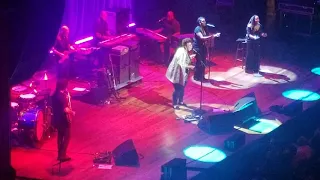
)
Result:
{"points": [[235, 141], [119, 57], [134, 60]]}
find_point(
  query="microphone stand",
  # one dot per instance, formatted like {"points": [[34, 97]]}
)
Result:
{"points": [[197, 113]]}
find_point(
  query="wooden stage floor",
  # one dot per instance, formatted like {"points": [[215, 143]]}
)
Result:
{"points": [[147, 117]]}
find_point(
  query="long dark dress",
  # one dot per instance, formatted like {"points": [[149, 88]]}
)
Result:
{"points": [[253, 51]]}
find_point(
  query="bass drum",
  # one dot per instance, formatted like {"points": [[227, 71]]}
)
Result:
{"points": [[32, 120]]}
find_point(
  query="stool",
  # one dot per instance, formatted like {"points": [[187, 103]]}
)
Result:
{"points": [[241, 51]]}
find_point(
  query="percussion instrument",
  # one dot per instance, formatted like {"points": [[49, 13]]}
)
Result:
{"points": [[14, 105], [32, 120], [19, 88], [27, 101], [14, 114]]}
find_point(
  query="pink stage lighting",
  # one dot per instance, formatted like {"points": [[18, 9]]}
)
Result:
{"points": [[131, 25], [79, 89], [84, 40]]}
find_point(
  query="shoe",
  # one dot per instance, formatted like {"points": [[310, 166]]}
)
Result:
{"points": [[183, 104], [248, 71], [64, 159], [176, 107], [206, 80], [196, 79], [257, 75]]}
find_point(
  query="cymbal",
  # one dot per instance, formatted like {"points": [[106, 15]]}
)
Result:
{"points": [[43, 76], [19, 88]]}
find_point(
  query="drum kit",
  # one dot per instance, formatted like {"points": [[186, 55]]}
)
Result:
{"points": [[30, 111]]}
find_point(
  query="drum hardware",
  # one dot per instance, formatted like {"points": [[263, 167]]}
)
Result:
{"points": [[32, 121], [29, 121], [19, 88]]}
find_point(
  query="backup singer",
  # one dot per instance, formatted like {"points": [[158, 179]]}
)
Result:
{"points": [[62, 112], [201, 35], [253, 45], [169, 27], [62, 48], [177, 72]]}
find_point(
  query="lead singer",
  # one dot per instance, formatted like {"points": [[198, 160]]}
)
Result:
{"points": [[201, 35], [178, 70]]}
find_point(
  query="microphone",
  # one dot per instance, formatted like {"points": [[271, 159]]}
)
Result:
{"points": [[195, 51], [211, 25], [160, 20]]}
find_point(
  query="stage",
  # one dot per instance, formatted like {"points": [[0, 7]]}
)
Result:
{"points": [[159, 134]]}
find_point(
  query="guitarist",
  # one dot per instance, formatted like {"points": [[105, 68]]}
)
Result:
{"points": [[201, 36], [62, 113], [62, 48]]}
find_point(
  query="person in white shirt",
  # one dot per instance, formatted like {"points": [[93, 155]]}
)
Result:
{"points": [[178, 70]]}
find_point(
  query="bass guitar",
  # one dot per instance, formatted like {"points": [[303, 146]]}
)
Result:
{"points": [[83, 51]]}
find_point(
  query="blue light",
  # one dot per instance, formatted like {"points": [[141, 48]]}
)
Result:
{"points": [[264, 127], [303, 95], [316, 70], [204, 154]]}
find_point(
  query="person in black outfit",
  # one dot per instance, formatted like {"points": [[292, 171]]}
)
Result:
{"points": [[169, 27], [201, 35], [101, 28], [102, 33], [253, 45], [62, 112], [62, 48]]}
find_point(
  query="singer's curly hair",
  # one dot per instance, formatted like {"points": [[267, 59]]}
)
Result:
{"points": [[185, 41]]}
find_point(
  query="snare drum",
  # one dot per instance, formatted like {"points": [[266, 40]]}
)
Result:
{"points": [[27, 100], [33, 120]]}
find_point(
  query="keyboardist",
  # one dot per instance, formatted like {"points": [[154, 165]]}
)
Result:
{"points": [[101, 30], [169, 27]]}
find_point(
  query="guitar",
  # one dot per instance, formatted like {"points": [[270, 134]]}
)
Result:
{"points": [[256, 37], [84, 51], [69, 115]]}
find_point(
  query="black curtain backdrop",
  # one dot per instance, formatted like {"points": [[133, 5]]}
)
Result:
{"points": [[147, 13], [80, 15]]}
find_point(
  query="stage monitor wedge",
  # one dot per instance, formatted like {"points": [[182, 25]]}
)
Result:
{"points": [[126, 154]]}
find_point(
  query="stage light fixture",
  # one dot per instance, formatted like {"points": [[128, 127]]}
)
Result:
{"points": [[264, 126], [301, 94], [204, 154], [316, 70]]}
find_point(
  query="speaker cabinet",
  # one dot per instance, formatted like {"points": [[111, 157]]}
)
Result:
{"points": [[118, 21], [134, 60], [174, 169], [215, 123], [119, 56], [293, 109], [126, 154], [244, 109], [247, 107], [235, 141]]}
